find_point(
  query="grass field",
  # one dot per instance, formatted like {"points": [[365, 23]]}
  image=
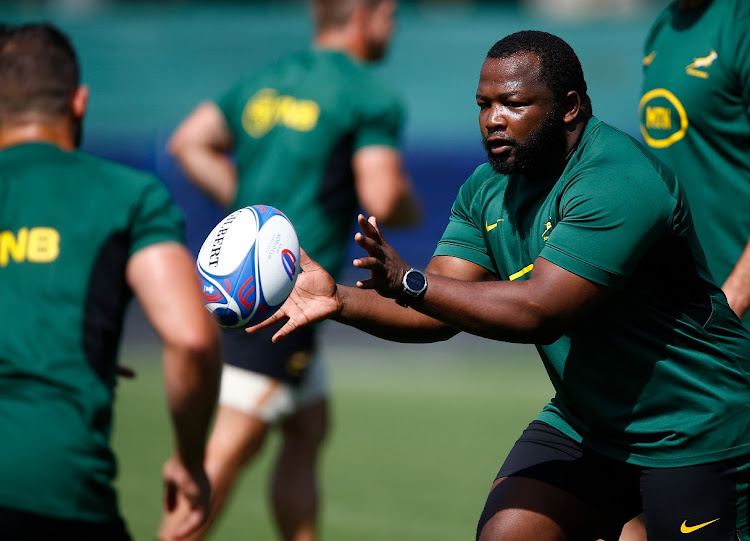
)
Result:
{"points": [[418, 434]]}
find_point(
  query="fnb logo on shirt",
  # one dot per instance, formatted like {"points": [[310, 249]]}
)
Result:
{"points": [[35, 245], [267, 108]]}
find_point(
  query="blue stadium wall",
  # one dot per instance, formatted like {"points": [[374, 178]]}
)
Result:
{"points": [[148, 64]]}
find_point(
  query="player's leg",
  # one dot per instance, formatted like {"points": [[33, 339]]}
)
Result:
{"points": [[519, 508], [235, 441], [707, 502], [294, 488], [249, 404], [635, 530], [551, 488]]}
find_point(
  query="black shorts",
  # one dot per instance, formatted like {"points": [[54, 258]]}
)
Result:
{"points": [[22, 526], [285, 360], [706, 501]]}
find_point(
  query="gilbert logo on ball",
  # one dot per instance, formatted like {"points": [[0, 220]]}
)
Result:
{"points": [[248, 265]]}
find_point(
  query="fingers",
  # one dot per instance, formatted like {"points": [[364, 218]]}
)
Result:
{"points": [[369, 227], [278, 315], [288, 328], [306, 263]]}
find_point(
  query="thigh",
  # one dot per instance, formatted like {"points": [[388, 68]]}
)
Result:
{"points": [[553, 484], [254, 395], [522, 508], [305, 430], [707, 502]]}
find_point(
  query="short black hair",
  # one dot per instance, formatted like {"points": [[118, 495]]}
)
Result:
{"points": [[561, 70], [39, 70], [336, 13]]}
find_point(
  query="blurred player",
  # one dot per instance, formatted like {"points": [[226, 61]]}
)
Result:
{"points": [[314, 135], [573, 237], [695, 115], [79, 235]]}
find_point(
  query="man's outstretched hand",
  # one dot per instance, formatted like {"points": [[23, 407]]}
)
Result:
{"points": [[386, 267], [314, 298]]}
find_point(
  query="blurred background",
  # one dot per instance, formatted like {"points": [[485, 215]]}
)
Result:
{"points": [[419, 430], [148, 63]]}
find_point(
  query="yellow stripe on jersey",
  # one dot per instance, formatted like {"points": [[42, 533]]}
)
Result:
{"points": [[521, 272]]}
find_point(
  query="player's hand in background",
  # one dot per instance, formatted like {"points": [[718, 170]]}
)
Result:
{"points": [[187, 499]]}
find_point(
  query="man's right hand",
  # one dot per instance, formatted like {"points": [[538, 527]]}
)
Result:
{"points": [[313, 299]]}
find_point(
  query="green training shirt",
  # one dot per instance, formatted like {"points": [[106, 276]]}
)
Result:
{"points": [[68, 223], [695, 115], [658, 375], [296, 125]]}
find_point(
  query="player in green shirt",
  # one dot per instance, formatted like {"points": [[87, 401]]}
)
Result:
{"points": [[575, 238], [79, 235], [314, 134], [695, 115]]}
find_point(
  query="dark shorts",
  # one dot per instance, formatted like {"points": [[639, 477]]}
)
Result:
{"points": [[285, 360], [706, 501], [22, 526]]}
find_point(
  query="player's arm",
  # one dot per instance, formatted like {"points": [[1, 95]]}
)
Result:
{"points": [[202, 144], [383, 187], [737, 285], [537, 310], [163, 279], [461, 296]]}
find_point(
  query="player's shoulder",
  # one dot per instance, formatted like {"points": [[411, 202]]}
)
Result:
{"points": [[359, 76], [114, 173], [601, 139], [608, 155]]}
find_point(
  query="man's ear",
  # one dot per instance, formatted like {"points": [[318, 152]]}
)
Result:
{"points": [[80, 101], [571, 105]]}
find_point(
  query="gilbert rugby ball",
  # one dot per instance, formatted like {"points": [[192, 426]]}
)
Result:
{"points": [[248, 265]]}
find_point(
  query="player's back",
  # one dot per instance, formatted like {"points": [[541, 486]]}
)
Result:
{"points": [[296, 125], [68, 224]]}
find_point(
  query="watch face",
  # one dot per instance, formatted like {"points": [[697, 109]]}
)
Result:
{"points": [[415, 281]]}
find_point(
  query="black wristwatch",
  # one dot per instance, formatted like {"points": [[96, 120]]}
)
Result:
{"points": [[413, 286]]}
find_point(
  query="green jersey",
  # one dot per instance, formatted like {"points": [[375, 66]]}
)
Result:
{"points": [[68, 224], [695, 116], [658, 375], [296, 125]]}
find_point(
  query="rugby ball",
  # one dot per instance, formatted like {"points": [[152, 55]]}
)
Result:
{"points": [[248, 265]]}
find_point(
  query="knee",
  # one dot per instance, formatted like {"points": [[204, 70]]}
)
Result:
{"points": [[308, 429]]}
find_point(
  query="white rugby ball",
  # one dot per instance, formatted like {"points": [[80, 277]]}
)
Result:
{"points": [[248, 265]]}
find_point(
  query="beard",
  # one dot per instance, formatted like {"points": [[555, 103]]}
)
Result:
{"points": [[543, 151]]}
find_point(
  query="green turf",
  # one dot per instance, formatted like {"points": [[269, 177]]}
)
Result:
{"points": [[418, 434]]}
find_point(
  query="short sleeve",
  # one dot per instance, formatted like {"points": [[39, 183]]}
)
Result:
{"points": [[381, 123], [463, 237], [608, 224], [228, 105], [155, 218]]}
